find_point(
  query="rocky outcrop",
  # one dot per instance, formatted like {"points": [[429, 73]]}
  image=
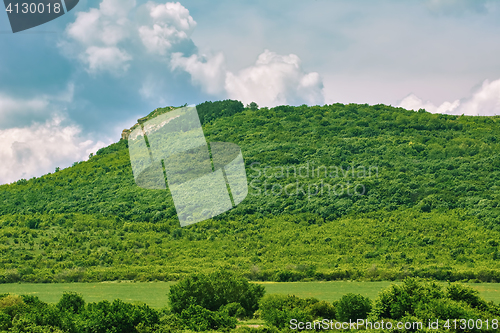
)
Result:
{"points": [[126, 132]]}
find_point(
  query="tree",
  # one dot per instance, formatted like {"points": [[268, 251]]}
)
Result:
{"points": [[215, 290], [253, 106], [199, 319], [353, 307], [277, 310], [71, 302]]}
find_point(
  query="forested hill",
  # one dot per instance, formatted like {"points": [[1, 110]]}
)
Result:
{"points": [[307, 167]]}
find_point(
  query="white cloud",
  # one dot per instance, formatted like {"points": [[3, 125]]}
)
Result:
{"points": [[110, 59], [207, 72], [412, 102], [46, 140], [169, 24], [95, 36], [106, 40], [20, 111], [274, 80], [35, 150], [12, 107], [484, 102]]}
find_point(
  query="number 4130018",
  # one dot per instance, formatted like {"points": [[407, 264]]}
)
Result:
{"points": [[34, 8]]}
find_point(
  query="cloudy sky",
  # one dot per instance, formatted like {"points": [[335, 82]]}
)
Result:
{"points": [[70, 86]]}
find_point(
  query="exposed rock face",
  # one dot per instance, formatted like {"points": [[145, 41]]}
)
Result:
{"points": [[125, 134]]}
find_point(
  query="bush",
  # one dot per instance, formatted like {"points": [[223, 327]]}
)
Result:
{"points": [[277, 310], [322, 309], [353, 307], [215, 290], [71, 302], [5, 321], [400, 300], [11, 305], [459, 292], [198, 318], [234, 310], [104, 317], [445, 309]]}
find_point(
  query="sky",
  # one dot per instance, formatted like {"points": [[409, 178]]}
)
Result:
{"points": [[70, 86]]}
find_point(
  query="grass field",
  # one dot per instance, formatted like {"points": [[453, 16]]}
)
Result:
{"points": [[155, 293]]}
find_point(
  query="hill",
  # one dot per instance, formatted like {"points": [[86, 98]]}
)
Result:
{"points": [[335, 192]]}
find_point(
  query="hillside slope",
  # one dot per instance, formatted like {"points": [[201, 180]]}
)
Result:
{"points": [[339, 191]]}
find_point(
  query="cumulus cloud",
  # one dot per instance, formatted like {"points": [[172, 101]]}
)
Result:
{"points": [[273, 80], [95, 36], [18, 111], [36, 137], [106, 40], [412, 102], [207, 72], [485, 101], [35, 150], [110, 59], [169, 24]]}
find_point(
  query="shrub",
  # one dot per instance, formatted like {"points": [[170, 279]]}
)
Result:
{"points": [[353, 307], [198, 318], [5, 321], [400, 300], [322, 309], [445, 309], [9, 301], [459, 292], [11, 305], [214, 290], [234, 310], [277, 310], [71, 302], [104, 317]]}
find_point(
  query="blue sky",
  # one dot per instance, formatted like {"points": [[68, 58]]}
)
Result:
{"points": [[70, 86]]}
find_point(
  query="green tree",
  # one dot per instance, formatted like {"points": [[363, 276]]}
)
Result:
{"points": [[71, 302], [353, 307], [215, 290]]}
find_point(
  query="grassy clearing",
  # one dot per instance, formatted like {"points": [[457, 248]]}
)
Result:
{"points": [[152, 293], [155, 293]]}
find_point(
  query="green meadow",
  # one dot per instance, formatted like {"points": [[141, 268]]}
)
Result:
{"points": [[155, 293]]}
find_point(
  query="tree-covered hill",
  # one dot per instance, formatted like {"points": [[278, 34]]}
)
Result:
{"points": [[335, 191]]}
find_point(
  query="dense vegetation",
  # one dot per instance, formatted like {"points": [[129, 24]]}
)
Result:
{"points": [[373, 192], [198, 304]]}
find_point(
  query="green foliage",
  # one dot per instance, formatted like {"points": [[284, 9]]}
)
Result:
{"points": [[277, 310], [103, 317], [398, 303], [400, 300], [461, 293], [235, 310], [436, 175], [353, 307], [71, 302], [253, 106], [214, 291], [322, 309], [209, 111], [424, 300], [198, 318]]}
